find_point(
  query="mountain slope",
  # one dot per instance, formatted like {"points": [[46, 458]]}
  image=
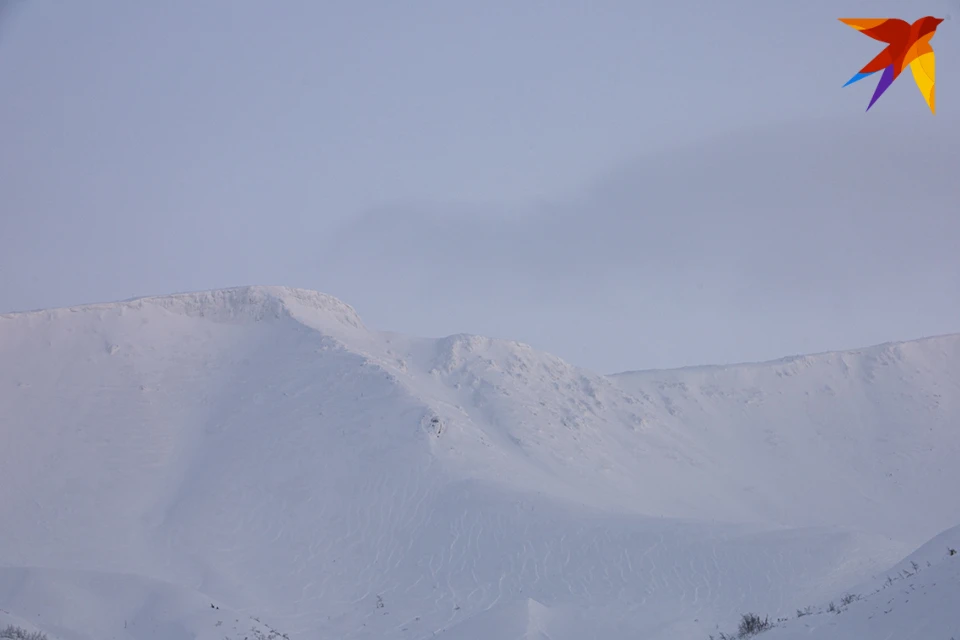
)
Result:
{"points": [[872, 432], [84, 605], [259, 447], [916, 600]]}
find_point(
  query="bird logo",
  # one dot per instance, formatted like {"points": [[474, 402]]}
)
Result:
{"points": [[907, 44]]}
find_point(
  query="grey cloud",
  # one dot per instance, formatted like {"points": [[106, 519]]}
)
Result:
{"points": [[832, 214]]}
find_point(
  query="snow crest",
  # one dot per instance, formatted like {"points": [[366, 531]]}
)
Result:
{"points": [[234, 305]]}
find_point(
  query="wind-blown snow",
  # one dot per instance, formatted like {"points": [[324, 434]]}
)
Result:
{"points": [[261, 450]]}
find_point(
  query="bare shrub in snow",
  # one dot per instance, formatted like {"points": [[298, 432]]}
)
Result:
{"points": [[18, 633], [849, 598], [751, 624]]}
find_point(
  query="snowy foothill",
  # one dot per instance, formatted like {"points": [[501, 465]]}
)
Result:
{"points": [[257, 462]]}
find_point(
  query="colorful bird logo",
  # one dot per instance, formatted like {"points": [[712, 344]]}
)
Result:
{"points": [[907, 44]]}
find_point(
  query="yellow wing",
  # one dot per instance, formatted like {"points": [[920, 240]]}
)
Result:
{"points": [[923, 64]]}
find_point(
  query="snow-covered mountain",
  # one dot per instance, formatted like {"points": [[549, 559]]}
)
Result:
{"points": [[260, 450]]}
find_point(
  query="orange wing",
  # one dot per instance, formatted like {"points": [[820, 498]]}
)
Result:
{"points": [[889, 30]]}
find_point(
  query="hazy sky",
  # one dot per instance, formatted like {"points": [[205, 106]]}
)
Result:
{"points": [[625, 184]]}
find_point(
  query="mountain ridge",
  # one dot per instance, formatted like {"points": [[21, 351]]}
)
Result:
{"points": [[789, 359], [261, 447], [252, 302], [265, 301]]}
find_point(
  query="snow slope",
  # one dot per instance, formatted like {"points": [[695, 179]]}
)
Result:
{"points": [[872, 433], [261, 449], [916, 600], [79, 605]]}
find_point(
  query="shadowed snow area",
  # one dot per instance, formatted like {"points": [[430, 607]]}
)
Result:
{"points": [[260, 450]]}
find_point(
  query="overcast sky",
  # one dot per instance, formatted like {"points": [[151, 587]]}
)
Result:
{"points": [[625, 184]]}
